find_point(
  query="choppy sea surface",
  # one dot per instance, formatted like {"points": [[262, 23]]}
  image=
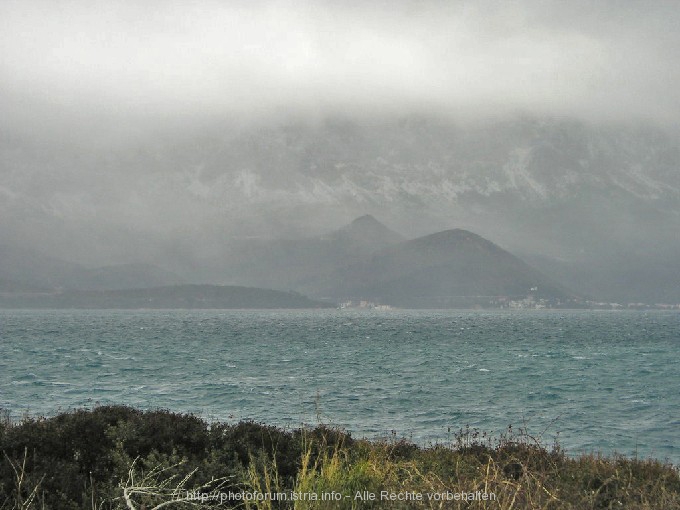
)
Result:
{"points": [[595, 380]]}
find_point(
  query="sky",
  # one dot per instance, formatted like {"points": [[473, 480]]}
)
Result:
{"points": [[85, 63]]}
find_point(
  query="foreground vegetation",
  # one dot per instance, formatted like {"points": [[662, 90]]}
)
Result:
{"points": [[119, 457]]}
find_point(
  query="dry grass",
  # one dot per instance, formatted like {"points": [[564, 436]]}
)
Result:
{"points": [[515, 473]]}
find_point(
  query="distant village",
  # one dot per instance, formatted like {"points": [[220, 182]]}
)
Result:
{"points": [[368, 305], [529, 302]]}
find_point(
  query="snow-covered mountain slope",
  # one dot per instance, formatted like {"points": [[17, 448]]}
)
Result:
{"points": [[335, 161]]}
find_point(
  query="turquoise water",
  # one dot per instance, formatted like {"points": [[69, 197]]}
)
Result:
{"points": [[596, 381]]}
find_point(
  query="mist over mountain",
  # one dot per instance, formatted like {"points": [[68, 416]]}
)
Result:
{"points": [[197, 139], [22, 268], [289, 263], [576, 196]]}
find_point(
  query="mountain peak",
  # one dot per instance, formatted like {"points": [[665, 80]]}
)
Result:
{"points": [[369, 227], [366, 219], [369, 232]]}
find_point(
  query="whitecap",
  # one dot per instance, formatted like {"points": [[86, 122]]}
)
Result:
{"points": [[116, 357]]}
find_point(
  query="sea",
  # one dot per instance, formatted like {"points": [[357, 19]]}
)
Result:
{"points": [[594, 381]]}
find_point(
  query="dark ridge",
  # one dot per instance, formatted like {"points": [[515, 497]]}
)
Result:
{"points": [[175, 296]]}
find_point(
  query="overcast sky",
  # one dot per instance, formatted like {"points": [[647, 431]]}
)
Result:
{"points": [[77, 60]]}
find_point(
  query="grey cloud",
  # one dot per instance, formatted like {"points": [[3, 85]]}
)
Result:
{"points": [[149, 60]]}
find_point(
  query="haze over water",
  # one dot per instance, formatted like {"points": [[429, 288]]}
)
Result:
{"points": [[598, 381]]}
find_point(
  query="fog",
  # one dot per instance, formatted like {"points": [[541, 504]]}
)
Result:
{"points": [[165, 132], [78, 61]]}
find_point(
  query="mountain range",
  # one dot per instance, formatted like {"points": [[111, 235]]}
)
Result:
{"points": [[362, 261], [593, 204]]}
